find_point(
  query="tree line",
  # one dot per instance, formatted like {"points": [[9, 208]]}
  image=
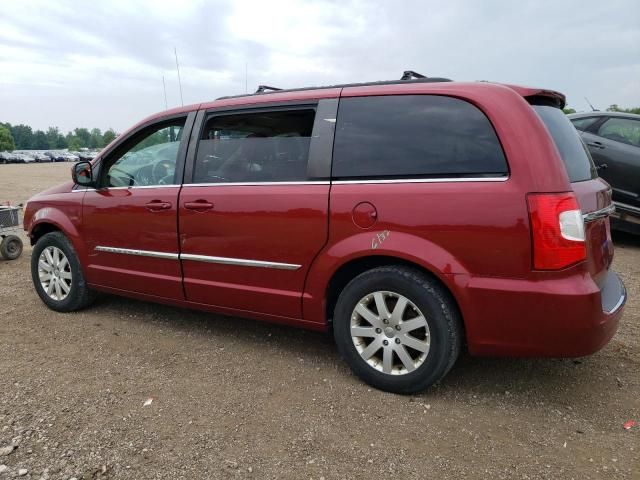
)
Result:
{"points": [[612, 108], [23, 137]]}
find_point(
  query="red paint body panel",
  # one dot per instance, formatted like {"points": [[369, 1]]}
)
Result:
{"points": [[548, 315], [61, 210], [119, 218], [275, 223], [486, 234], [473, 236]]}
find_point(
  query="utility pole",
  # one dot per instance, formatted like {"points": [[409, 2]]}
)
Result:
{"points": [[164, 87], [175, 51]]}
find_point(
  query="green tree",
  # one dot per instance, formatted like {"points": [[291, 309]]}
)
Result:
{"points": [[54, 138], [40, 140], [616, 108], [6, 140], [83, 135], [62, 142], [95, 140], [568, 110], [73, 142], [108, 137], [23, 136]]}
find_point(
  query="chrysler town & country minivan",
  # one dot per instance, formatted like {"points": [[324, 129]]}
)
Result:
{"points": [[410, 218]]}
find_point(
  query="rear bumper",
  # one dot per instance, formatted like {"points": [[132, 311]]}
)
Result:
{"points": [[563, 317]]}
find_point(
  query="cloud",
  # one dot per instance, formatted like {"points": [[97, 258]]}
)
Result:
{"points": [[74, 63]]}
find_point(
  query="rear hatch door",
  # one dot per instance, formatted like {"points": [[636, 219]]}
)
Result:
{"points": [[593, 193]]}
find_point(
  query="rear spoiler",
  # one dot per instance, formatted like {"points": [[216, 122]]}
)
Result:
{"points": [[538, 95]]}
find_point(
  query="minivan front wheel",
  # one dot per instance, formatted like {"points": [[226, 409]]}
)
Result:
{"points": [[397, 328], [56, 274]]}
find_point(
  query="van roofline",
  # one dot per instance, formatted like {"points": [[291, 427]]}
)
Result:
{"points": [[270, 90], [331, 91]]}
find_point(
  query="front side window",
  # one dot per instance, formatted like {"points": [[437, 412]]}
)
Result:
{"points": [[269, 146], [622, 130], [414, 136], [148, 159]]}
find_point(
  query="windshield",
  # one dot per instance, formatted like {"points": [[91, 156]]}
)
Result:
{"points": [[573, 151]]}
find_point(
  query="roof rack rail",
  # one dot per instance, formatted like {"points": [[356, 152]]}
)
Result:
{"points": [[409, 74], [264, 88]]}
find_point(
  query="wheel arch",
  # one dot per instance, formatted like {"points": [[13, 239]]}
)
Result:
{"points": [[56, 221], [41, 229], [354, 267]]}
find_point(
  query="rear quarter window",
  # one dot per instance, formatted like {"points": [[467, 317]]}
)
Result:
{"points": [[574, 153], [414, 136]]}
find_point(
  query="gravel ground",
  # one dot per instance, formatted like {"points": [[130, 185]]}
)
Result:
{"points": [[234, 398]]}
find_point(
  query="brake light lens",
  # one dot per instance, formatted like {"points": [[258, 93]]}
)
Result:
{"points": [[557, 230]]}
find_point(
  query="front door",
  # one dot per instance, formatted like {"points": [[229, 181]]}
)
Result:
{"points": [[616, 143], [254, 215], [130, 219]]}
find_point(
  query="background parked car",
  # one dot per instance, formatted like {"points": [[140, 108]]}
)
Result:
{"points": [[51, 155], [613, 139], [41, 157], [87, 156], [23, 158]]}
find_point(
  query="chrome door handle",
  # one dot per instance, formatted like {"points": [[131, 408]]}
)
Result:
{"points": [[157, 205]]}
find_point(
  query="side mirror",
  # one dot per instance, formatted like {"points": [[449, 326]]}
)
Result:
{"points": [[82, 174]]}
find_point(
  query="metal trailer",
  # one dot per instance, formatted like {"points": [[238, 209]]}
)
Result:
{"points": [[11, 244]]}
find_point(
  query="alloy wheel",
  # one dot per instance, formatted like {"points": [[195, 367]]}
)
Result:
{"points": [[54, 272], [390, 333]]}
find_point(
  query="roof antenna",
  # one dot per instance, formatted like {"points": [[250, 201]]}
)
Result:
{"points": [[593, 109], [178, 69], [409, 74]]}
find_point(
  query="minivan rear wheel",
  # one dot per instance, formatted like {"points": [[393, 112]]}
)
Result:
{"points": [[57, 276], [397, 328]]}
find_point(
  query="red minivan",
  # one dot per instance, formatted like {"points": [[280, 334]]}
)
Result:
{"points": [[411, 218]]}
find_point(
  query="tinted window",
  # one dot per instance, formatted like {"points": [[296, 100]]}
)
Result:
{"points": [[149, 158], [414, 136], [255, 147], [575, 155], [622, 130], [584, 123]]}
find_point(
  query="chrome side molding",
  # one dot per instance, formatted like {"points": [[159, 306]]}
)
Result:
{"points": [[138, 253], [242, 262], [239, 261], [602, 213], [421, 180]]}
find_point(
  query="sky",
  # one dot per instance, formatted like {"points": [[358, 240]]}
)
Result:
{"points": [[101, 64]]}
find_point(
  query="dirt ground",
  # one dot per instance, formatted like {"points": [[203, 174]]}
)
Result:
{"points": [[241, 399]]}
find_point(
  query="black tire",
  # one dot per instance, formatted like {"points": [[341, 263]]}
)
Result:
{"points": [[436, 305], [79, 296], [11, 247]]}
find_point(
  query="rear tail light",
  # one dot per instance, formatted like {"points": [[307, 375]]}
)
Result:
{"points": [[557, 230]]}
